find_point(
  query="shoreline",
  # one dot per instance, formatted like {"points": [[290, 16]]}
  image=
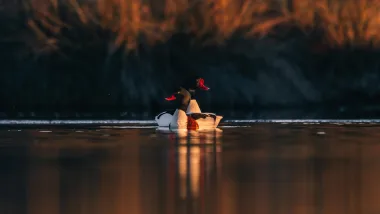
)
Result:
{"points": [[152, 124]]}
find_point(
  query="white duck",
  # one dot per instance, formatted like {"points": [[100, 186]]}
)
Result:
{"points": [[164, 118], [191, 121]]}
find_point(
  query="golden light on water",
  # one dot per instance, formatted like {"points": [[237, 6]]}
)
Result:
{"points": [[150, 173]]}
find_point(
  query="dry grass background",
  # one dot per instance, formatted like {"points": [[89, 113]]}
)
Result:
{"points": [[354, 23], [76, 53]]}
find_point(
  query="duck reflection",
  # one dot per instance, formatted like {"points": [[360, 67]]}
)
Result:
{"points": [[195, 162], [198, 161]]}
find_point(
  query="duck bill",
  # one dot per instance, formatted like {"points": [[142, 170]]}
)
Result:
{"points": [[171, 98], [202, 85]]}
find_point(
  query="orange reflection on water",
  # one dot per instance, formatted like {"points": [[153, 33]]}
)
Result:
{"points": [[266, 170]]}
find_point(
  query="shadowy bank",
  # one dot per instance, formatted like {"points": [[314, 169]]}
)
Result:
{"points": [[67, 58]]}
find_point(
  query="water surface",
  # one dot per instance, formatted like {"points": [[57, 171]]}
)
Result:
{"points": [[259, 168]]}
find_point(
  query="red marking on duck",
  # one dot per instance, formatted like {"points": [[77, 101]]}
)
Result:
{"points": [[192, 123], [170, 98], [201, 84]]}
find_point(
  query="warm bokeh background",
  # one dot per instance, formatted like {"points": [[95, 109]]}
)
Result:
{"points": [[124, 55]]}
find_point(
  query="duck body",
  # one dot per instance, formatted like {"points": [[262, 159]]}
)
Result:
{"points": [[191, 84], [188, 116], [194, 121], [164, 118]]}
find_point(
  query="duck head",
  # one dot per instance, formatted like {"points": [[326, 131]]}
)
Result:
{"points": [[184, 98], [194, 82], [182, 92], [200, 83]]}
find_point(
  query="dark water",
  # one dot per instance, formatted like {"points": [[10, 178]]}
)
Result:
{"points": [[265, 168]]}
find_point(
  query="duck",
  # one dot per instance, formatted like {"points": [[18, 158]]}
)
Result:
{"points": [[192, 84], [181, 120]]}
